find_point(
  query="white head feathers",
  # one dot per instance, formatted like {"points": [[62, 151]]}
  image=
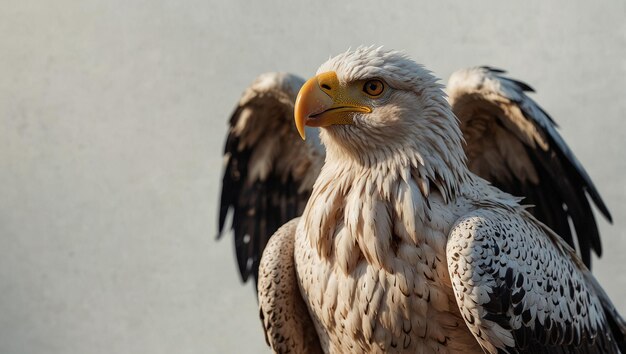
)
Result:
{"points": [[410, 126], [369, 62]]}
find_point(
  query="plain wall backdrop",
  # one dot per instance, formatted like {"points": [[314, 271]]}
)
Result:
{"points": [[112, 122]]}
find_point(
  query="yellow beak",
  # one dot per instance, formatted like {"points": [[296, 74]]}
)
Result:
{"points": [[323, 101]]}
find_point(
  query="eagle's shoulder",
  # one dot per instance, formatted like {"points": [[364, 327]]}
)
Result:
{"points": [[518, 291]]}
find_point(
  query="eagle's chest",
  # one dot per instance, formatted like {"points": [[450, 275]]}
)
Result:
{"points": [[407, 305]]}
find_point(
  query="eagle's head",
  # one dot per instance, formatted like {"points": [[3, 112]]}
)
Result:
{"points": [[374, 104]]}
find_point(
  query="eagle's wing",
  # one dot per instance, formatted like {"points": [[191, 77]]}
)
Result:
{"points": [[514, 144], [286, 319], [521, 289], [269, 171]]}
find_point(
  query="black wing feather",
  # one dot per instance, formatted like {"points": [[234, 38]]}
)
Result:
{"points": [[262, 136], [561, 193]]}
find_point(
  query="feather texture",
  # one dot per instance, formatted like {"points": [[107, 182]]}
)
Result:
{"points": [[519, 292], [513, 143], [268, 173]]}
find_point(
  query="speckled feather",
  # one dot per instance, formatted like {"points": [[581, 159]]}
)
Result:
{"points": [[519, 291], [288, 326]]}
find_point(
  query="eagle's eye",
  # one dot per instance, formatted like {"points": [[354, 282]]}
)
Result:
{"points": [[373, 87]]}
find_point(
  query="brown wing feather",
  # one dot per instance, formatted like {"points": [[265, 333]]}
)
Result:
{"points": [[268, 170], [514, 144]]}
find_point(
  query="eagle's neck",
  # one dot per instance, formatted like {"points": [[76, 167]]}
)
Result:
{"points": [[364, 207], [379, 182], [425, 141]]}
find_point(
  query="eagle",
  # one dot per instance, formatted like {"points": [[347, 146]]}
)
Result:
{"points": [[402, 223]]}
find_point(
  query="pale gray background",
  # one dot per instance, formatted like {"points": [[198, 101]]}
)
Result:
{"points": [[113, 116]]}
